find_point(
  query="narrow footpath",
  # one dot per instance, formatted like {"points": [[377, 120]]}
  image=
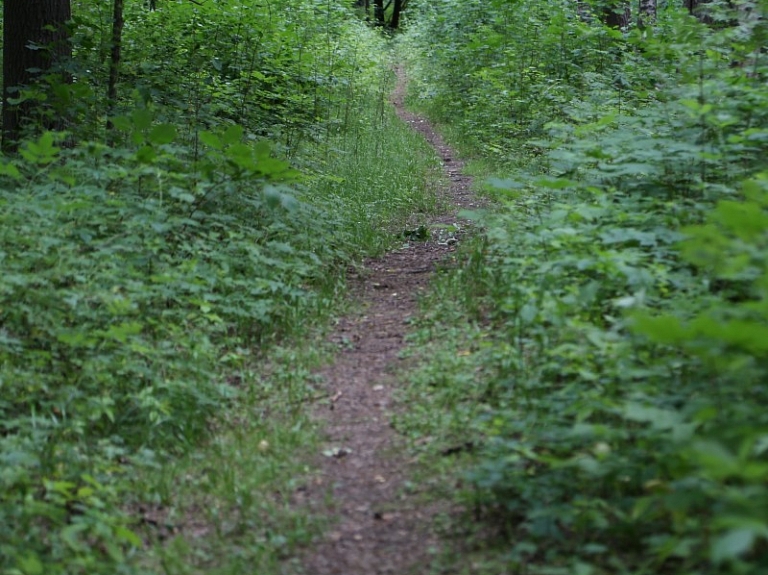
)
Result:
{"points": [[378, 528]]}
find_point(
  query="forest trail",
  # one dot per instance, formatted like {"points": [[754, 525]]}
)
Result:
{"points": [[377, 527]]}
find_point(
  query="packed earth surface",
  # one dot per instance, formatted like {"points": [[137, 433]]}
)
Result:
{"points": [[378, 526]]}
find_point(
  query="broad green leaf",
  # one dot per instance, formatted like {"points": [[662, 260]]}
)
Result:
{"points": [[8, 169], [71, 535], [162, 134], [123, 123], [211, 140], [146, 154], [30, 564], [558, 184], [665, 329], [142, 118], [658, 418], [732, 544], [122, 331], [232, 135]]}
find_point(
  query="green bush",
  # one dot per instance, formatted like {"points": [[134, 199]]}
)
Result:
{"points": [[122, 281], [136, 276], [621, 416]]}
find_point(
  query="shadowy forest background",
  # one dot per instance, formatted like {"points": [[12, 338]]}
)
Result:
{"points": [[184, 183]]}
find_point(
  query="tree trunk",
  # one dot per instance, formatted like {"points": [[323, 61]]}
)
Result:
{"points": [[378, 12], [396, 11], [699, 9], [35, 41], [114, 62], [617, 14], [691, 5]]}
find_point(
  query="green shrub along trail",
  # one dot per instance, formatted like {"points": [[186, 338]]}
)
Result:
{"points": [[590, 376], [149, 271], [605, 338]]}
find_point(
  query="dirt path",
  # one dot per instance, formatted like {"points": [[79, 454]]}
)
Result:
{"points": [[380, 528]]}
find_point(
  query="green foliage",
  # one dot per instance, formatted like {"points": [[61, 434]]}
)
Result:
{"points": [[616, 390], [121, 284], [227, 507], [282, 70], [375, 176], [161, 239]]}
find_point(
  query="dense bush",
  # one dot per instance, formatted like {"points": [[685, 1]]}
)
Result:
{"points": [[144, 262], [122, 281], [623, 414]]}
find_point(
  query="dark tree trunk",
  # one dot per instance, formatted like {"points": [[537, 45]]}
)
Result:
{"points": [[378, 12], [114, 62], [700, 10], [691, 5], [617, 14], [397, 9], [35, 40], [365, 4]]}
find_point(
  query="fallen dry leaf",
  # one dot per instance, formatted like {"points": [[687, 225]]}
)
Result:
{"points": [[337, 452]]}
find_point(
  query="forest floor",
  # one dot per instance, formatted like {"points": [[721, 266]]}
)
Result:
{"points": [[378, 524]]}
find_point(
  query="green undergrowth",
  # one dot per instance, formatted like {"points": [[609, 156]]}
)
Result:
{"points": [[155, 273], [235, 497], [595, 363], [133, 295], [229, 506], [378, 176]]}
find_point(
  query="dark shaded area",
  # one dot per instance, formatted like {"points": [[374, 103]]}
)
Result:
{"points": [[35, 45]]}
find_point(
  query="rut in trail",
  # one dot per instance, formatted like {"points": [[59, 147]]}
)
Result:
{"points": [[378, 529]]}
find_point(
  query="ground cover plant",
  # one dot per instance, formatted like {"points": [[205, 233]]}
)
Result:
{"points": [[610, 384], [189, 185], [162, 237]]}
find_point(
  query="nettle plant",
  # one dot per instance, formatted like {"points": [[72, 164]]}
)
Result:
{"points": [[140, 274], [616, 436], [274, 69], [715, 497], [500, 71], [624, 417], [127, 274]]}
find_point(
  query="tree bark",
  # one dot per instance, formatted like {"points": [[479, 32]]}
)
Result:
{"points": [[691, 5], [397, 9], [35, 41], [617, 14], [700, 10], [114, 61], [378, 12]]}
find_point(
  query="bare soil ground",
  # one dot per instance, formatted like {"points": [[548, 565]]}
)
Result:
{"points": [[379, 528]]}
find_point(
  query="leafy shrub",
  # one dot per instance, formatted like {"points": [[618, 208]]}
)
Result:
{"points": [[622, 419], [133, 274], [121, 284]]}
